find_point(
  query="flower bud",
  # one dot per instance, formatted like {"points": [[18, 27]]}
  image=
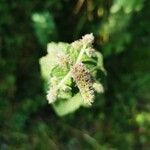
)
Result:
{"points": [[51, 96], [84, 82], [77, 44], [62, 60], [98, 87], [88, 39]]}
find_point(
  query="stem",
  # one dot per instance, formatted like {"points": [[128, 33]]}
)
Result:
{"points": [[63, 80], [81, 53]]}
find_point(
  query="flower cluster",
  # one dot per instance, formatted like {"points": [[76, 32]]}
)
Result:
{"points": [[68, 64], [51, 95], [84, 82], [63, 60], [87, 40]]}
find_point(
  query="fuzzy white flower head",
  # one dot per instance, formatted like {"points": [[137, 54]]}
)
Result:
{"points": [[98, 87], [51, 96], [77, 44], [88, 39], [62, 60], [82, 77]]}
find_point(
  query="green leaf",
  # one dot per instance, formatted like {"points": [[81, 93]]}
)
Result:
{"points": [[44, 27], [64, 107], [49, 61]]}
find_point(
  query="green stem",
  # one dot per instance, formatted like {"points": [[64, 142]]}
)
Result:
{"points": [[63, 80], [81, 54]]}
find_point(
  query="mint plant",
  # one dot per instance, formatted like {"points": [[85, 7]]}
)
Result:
{"points": [[71, 73]]}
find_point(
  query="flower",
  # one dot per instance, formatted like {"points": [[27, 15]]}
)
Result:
{"points": [[77, 44], [84, 82], [52, 95], [88, 39], [98, 87], [62, 60]]}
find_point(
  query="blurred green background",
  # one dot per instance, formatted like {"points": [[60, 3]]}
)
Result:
{"points": [[120, 120]]}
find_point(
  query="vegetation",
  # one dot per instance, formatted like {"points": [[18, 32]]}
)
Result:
{"points": [[72, 72], [117, 119]]}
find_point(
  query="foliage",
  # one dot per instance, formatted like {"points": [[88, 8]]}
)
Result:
{"points": [[65, 62], [118, 119]]}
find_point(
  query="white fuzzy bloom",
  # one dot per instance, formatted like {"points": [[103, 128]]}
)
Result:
{"points": [[98, 87], [88, 39], [82, 77], [62, 60], [51, 96], [77, 44]]}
